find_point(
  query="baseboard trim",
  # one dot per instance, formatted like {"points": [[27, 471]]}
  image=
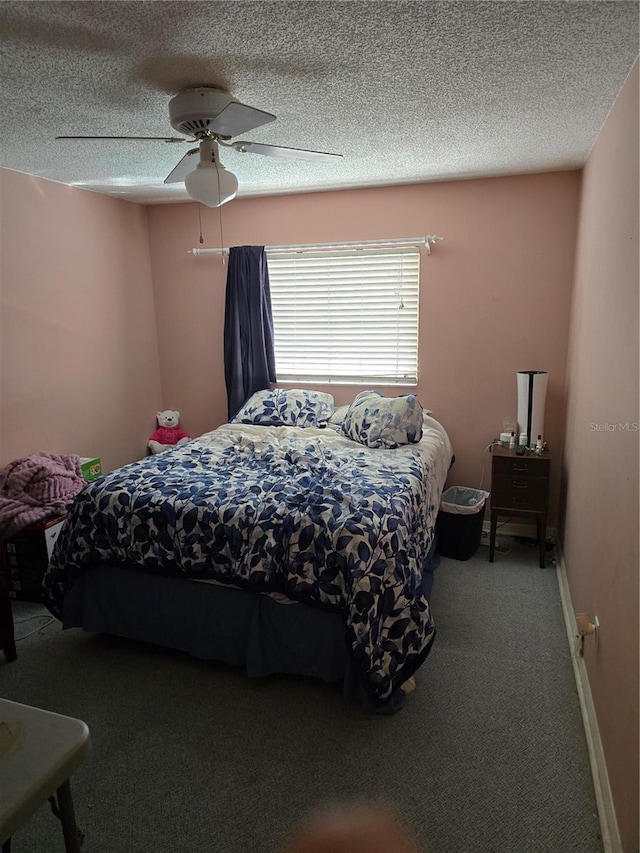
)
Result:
{"points": [[604, 799]]}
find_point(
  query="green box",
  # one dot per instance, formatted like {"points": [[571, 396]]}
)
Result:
{"points": [[90, 468]]}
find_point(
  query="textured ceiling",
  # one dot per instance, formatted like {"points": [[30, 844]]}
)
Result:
{"points": [[406, 91]]}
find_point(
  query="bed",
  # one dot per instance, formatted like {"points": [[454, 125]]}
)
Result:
{"points": [[282, 548]]}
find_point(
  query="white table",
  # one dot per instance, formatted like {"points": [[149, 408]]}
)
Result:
{"points": [[39, 750]]}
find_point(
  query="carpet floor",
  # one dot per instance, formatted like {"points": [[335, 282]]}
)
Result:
{"points": [[488, 756]]}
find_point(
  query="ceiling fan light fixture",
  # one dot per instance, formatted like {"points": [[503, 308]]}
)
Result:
{"points": [[211, 184]]}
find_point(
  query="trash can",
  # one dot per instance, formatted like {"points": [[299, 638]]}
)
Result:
{"points": [[459, 524]]}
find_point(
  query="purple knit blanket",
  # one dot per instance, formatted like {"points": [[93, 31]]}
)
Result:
{"points": [[36, 487]]}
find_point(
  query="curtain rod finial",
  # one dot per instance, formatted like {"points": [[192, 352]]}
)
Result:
{"points": [[429, 239]]}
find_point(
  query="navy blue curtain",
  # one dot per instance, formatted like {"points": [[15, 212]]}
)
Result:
{"points": [[249, 359]]}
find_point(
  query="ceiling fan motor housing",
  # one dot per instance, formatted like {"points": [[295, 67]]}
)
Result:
{"points": [[193, 111]]}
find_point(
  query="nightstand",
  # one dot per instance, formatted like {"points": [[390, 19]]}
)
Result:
{"points": [[520, 486], [25, 555], [7, 637]]}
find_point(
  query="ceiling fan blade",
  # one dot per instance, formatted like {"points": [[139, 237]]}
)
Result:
{"points": [[186, 165], [238, 118], [282, 151], [157, 138]]}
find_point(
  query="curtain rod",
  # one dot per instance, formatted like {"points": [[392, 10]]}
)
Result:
{"points": [[405, 241]]}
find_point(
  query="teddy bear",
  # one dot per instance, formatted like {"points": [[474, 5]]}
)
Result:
{"points": [[168, 433]]}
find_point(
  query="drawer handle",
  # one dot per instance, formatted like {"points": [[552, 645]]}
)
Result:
{"points": [[520, 501], [515, 485], [520, 467]]}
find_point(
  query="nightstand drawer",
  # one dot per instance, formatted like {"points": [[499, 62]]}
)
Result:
{"points": [[505, 467], [516, 492]]}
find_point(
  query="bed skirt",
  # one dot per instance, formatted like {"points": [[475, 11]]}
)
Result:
{"points": [[261, 633]]}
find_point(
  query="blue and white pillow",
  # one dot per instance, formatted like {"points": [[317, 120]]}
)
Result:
{"points": [[301, 408], [377, 421], [260, 408], [286, 407]]}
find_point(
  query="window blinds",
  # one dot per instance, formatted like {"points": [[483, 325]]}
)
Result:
{"points": [[346, 315]]}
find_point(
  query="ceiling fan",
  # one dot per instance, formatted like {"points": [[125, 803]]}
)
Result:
{"points": [[210, 118]]}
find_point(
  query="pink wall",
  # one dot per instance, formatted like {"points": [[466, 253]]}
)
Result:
{"points": [[495, 295], [78, 345], [600, 537]]}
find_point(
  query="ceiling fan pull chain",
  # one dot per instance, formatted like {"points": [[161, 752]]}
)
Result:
{"points": [[220, 213], [200, 221]]}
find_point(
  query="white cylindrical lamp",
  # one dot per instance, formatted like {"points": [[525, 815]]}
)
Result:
{"points": [[532, 393]]}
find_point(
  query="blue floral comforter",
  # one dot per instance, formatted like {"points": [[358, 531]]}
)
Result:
{"points": [[304, 512]]}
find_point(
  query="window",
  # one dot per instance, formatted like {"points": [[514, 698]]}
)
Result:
{"points": [[346, 315]]}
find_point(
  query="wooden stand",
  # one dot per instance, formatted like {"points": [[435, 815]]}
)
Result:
{"points": [[7, 637], [520, 486]]}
